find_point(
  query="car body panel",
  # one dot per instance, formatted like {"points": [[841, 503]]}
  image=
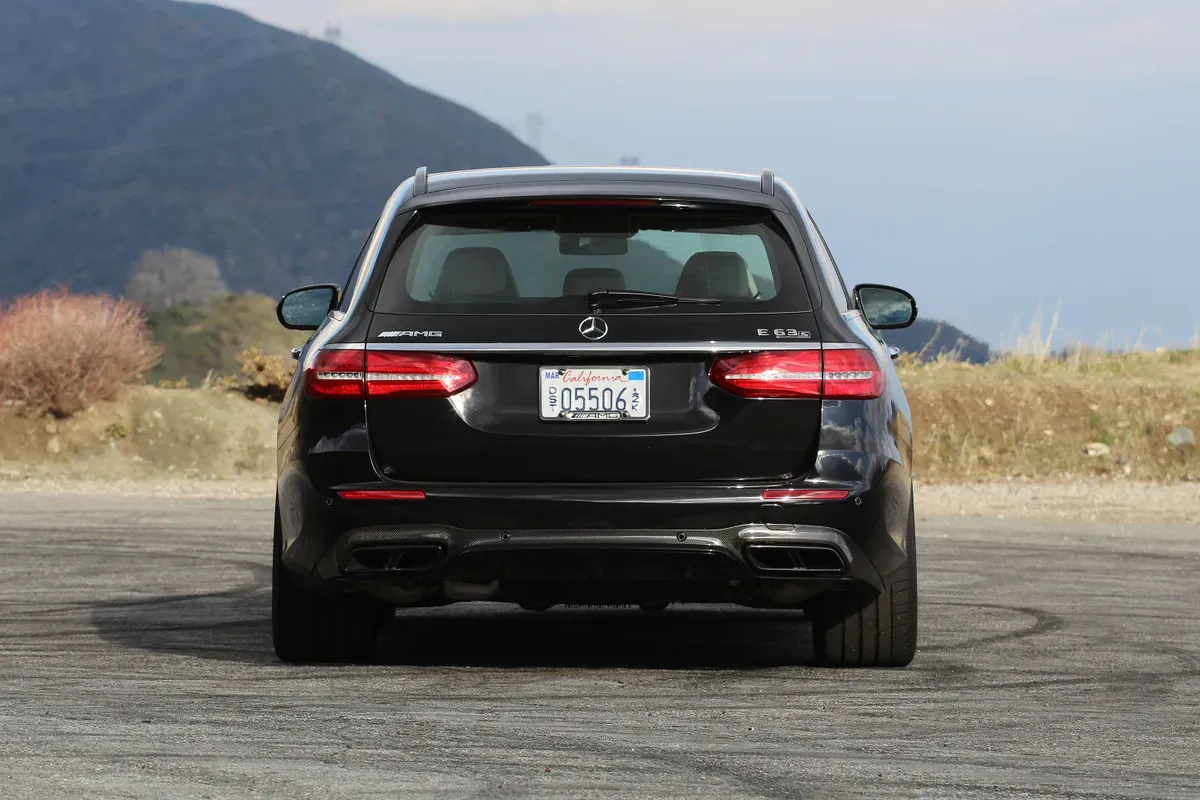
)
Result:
{"points": [[484, 431]]}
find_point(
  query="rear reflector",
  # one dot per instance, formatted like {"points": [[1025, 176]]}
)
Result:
{"points": [[356, 373], [845, 374], [805, 494], [381, 494]]}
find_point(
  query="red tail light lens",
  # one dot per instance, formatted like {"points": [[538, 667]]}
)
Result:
{"points": [[852, 374], [805, 494], [417, 374], [336, 373], [775, 374], [845, 374], [358, 373], [381, 494]]}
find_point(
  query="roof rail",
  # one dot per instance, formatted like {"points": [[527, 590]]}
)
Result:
{"points": [[767, 182], [420, 182]]}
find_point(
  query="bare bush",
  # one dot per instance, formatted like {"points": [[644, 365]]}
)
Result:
{"points": [[61, 352], [266, 376], [170, 277]]}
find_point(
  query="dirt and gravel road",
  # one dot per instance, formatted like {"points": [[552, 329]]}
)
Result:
{"points": [[1058, 659]]}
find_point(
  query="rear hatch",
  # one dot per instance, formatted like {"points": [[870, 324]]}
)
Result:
{"points": [[495, 356]]}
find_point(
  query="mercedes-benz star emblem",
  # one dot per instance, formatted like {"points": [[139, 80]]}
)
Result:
{"points": [[593, 328]]}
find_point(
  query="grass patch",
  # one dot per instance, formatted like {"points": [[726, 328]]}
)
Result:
{"points": [[1034, 417]]}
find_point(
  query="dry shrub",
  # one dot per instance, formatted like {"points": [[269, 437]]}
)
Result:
{"points": [[266, 376], [1029, 418], [62, 352]]}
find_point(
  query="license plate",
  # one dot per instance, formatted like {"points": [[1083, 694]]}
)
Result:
{"points": [[594, 393]]}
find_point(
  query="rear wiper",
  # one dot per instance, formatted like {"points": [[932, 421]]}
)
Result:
{"points": [[623, 298]]}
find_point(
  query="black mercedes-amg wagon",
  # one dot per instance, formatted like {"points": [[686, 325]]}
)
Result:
{"points": [[595, 386]]}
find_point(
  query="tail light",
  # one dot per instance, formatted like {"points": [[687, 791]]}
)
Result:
{"points": [[845, 374], [359, 373], [852, 374], [417, 374], [336, 373], [774, 374]]}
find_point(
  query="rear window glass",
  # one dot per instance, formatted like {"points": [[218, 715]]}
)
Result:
{"points": [[531, 260]]}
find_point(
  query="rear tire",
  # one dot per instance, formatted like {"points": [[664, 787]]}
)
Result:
{"points": [[852, 631], [308, 628]]}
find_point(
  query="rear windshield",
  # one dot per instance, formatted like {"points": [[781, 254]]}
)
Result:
{"points": [[531, 259]]}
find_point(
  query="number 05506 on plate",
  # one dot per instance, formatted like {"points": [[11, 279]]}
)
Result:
{"points": [[594, 393]]}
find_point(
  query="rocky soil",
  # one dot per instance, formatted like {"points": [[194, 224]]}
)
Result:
{"points": [[146, 433]]}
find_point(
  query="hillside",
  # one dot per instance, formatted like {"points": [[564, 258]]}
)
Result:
{"points": [[931, 337], [133, 124], [197, 340]]}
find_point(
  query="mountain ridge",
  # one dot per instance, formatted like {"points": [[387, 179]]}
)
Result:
{"points": [[130, 125], [134, 124], [930, 337]]}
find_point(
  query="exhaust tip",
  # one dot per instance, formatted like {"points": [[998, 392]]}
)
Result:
{"points": [[395, 558], [791, 558]]}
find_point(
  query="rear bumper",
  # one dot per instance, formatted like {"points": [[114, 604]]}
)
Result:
{"points": [[739, 553], [594, 544]]}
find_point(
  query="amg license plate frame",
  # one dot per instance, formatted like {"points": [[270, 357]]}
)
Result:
{"points": [[593, 394]]}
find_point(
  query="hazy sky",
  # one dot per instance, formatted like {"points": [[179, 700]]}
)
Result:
{"points": [[989, 155]]}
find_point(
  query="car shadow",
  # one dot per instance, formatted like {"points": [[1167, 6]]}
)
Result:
{"points": [[235, 626], [682, 637]]}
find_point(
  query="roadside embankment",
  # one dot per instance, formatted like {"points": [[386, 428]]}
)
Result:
{"points": [[1132, 416], [146, 432]]}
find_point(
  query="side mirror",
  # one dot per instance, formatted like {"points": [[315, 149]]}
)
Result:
{"points": [[885, 307], [305, 309]]}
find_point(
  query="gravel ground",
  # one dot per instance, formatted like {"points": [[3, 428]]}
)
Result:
{"points": [[248, 488], [1057, 659], [1123, 501]]}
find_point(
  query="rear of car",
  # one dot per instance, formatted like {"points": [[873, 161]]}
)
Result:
{"points": [[595, 387]]}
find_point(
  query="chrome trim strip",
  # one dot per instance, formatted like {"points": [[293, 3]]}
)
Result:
{"points": [[402, 194], [593, 347]]}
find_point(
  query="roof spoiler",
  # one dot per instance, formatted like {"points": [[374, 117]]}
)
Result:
{"points": [[421, 182]]}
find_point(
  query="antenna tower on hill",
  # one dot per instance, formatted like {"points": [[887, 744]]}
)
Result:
{"points": [[535, 123]]}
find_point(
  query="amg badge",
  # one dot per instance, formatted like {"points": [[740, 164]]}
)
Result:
{"points": [[400, 334]]}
